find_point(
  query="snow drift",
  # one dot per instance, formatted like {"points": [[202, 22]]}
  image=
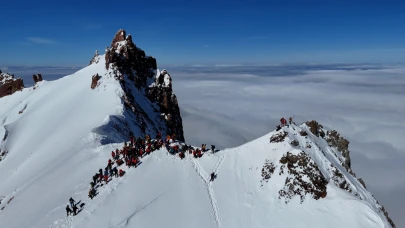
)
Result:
{"points": [[57, 134]]}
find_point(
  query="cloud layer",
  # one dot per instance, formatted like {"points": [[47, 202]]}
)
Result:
{"points": [[40, 40], [228, 106]]}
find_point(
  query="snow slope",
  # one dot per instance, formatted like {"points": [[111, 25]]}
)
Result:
{"points": [[66, 132], [54, 144]]}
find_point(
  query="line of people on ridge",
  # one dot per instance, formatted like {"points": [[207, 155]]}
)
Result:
{"points": [[283, 122], [137, 148]]}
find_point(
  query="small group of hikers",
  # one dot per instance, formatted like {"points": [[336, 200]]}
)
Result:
{"points": [[182, 150], [283, 122], [73, 210]]}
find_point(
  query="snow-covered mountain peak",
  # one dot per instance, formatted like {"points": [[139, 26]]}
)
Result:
{"points": [[56, 135], [318, 161]]}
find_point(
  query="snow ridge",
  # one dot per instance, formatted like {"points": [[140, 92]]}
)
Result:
{"points": [[205, 177]]}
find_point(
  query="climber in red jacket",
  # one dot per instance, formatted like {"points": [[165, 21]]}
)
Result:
{"points": [[283, 122], [113, 154], [134, 162]]}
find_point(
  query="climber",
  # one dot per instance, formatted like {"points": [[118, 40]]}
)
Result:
{"points": [[74, 209], [91, 193], [134, 161], [125, 144], [95, 177], [106, 176], [121, 173], [115, 171], [278, 128], [213, 148], [68, 210], [195, 153], [213, 176], [203, 146], [283, 122], [92, 184], [113, 154], [129, 162], [181, 155], [71, 201], [290, 120], [119, 162]]}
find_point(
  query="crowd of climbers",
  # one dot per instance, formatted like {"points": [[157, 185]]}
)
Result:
{"points": [[138, 147], [132, 152]]}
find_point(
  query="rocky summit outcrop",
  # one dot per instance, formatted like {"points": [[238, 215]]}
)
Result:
{"points": [[96, 58], [37, 78], [128, 62], [9, 84], [161, 92], [94, 81]]}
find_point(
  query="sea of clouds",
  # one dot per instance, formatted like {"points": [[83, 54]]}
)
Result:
{"points": [[230, 105]]}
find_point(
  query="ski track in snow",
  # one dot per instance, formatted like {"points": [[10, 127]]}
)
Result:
{"points": [[210, 190]]}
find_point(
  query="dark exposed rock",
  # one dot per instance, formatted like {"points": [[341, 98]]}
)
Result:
{"points": [[295, 143], [303, 133], [362, 182], [9, 84], [267, 170], [162, 93], [339, 180], [298, 166], [37, 78], [341, 144], [125, 58], [95, 59], [278, 137], [315, 128], [94, 81], [388, 218]]}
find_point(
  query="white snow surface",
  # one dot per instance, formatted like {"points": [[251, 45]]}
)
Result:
{"points": [[54, 150]]}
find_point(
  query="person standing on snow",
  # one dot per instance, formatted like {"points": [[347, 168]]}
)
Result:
{"points": [[68, 210], [75, 210], [71, 201], [213, 148], [213, 176]]}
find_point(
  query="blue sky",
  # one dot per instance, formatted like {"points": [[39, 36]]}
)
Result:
{"points": [[205, 32]]}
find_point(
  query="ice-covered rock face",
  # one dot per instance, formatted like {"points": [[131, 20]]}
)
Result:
{"points": [[9, 84], [129, 61]]}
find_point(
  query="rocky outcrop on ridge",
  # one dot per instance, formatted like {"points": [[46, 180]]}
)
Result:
{"points": [[129, 63], [9, 84]]}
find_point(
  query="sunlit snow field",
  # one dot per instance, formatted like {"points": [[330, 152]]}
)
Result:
{"points": [[230, 105]]}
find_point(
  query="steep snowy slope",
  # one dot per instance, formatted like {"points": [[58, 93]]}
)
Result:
{"points": [[165, 191], [51, 135]]}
